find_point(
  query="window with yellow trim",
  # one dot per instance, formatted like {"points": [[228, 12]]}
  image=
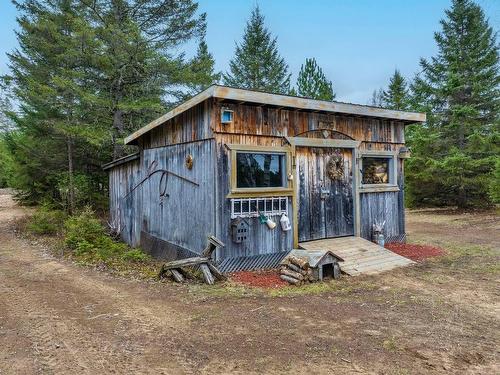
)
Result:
{"points": [[260, 170]]}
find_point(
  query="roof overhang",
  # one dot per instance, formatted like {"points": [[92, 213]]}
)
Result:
{"points": [[259, 97], [120, 161]]}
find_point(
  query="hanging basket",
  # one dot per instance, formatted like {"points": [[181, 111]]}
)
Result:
{"points": [[335, 167]]}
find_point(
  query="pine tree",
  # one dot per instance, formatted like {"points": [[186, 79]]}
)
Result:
{"points": [[87, 74], [203, 69], [257, 64], [455, 152], [312, 82], [397, 95], [47, 80], [140, 63]]}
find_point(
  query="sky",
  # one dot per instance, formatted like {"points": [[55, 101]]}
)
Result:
{"points": [[358, 43]]}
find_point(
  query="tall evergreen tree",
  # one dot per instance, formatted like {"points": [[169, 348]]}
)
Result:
{"points": [[47, 77], [86, 74], [312, 82], [257, 64], [454, 154], [203, 69], [140, 63], [397, 95]]}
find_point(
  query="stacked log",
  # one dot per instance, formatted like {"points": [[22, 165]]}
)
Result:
{"points": [[296, 271]]}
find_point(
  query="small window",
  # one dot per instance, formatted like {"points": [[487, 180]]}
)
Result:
{"points": [[226, 116], [376, 170], [260, 170]]}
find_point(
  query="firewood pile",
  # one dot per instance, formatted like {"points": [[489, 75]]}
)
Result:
{"points": [[296, 271]]}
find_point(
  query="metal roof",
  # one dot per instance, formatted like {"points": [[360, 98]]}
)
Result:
{"points": [[259, 97]]}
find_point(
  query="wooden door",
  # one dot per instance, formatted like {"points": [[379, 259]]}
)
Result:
{"points": [[325, 194]]}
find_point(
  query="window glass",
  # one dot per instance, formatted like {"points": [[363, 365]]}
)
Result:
{"points": [[227, 116], [376, 170], [259, 170]]}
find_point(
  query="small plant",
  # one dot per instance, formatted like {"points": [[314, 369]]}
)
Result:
{"points": [[83, 231], [46, 221], [91, 244], [135, 255]]}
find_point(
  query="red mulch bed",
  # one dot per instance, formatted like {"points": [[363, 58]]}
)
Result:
{"points": [[417, 253], [260, 279]]}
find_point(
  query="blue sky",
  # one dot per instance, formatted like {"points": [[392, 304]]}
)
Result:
{"points": [[358, 43]]}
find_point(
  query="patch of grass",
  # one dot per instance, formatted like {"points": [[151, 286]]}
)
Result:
{"points": [[341, 287], [46, 221], [391, 344]]}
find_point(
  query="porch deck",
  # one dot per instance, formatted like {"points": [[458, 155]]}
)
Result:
{"points": [[360, 256]]}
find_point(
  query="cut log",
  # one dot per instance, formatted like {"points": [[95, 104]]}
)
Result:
{"points": [[207, 275], [185, 262], [295, 275], [290, 280], [218, 275], [295, 268], [301, 262], [177, 275]]}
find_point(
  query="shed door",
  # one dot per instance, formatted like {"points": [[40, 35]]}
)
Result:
{"points": [[325, 192]]}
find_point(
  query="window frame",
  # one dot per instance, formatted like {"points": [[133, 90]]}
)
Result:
{"points": [[236, 192], [392, 185], [224, 122]]}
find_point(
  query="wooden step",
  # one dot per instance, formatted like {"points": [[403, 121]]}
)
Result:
{"points": [[360, 256]]}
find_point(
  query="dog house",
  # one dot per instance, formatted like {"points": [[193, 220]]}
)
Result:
{"points": [[323, 263], [294, 169]]}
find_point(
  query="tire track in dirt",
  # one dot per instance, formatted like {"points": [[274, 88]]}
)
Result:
{"points": [[76, 322]]}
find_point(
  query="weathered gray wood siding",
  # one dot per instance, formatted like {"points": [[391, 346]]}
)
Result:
{"points": [[125, 208], [272, 121], [191, 125], [386, 206], [262, 240], [187, 215]]}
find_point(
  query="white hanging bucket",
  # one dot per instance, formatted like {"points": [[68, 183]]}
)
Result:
{"points": [[285, 223]]}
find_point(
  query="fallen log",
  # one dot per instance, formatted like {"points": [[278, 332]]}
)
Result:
{"points": [[290, 280], [295, 275]]}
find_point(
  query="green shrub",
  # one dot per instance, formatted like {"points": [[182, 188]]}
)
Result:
{"points": [[83, 231], [46, 221], [87, 237]]}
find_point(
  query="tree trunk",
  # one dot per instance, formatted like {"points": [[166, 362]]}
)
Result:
{"points": [[118, 129], [71, 187]]}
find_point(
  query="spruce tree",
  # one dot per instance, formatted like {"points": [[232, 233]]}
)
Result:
{"points": [[47, 79], [312, 82], [455, 152], [397, 95], [86, 74], [257, 64], [140, 62], [202, 67]]}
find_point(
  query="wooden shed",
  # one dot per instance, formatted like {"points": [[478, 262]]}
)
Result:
{"points": [[316, 169]]}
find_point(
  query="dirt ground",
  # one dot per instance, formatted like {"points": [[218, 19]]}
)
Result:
{"points": [[440, 316]]}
